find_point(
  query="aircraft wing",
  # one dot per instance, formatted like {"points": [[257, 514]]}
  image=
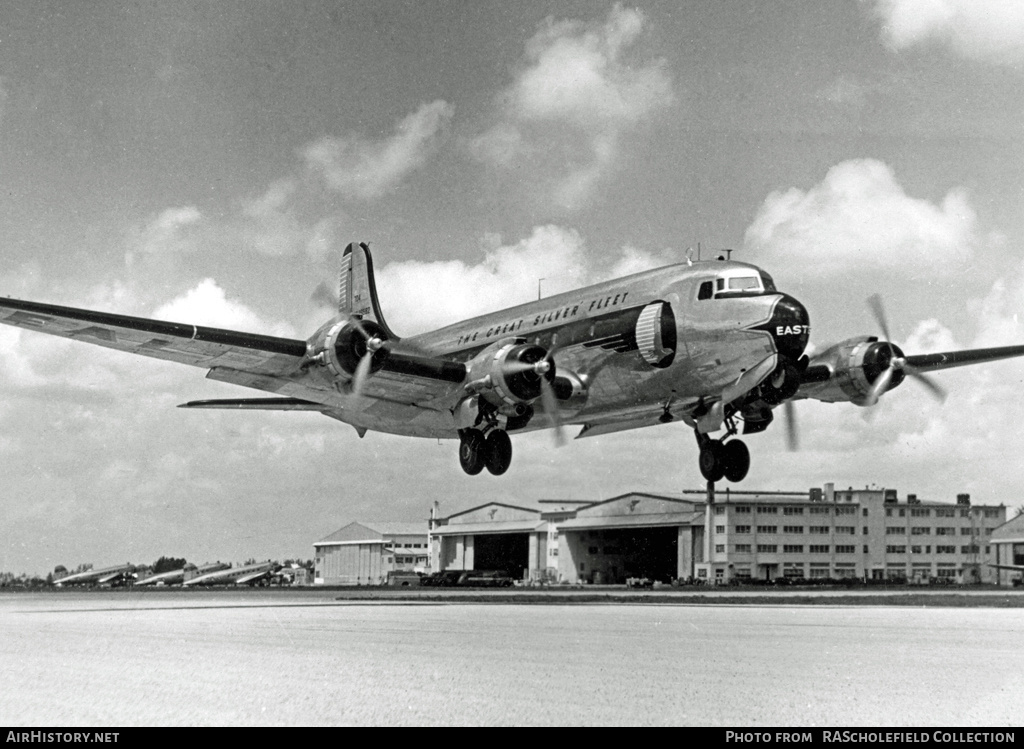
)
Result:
{"points": [[950, 359], [186, 344], [1012, 567]]}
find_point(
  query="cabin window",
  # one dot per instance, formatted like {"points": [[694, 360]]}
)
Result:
{"points": [[705, 290]]}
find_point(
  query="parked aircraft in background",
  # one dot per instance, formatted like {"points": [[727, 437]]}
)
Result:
{"points": [[713, 344], [175, 577], [250, 574], [107, 576]]}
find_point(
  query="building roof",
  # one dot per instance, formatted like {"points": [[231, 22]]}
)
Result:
{"points": [[1010, 532], [492, 526], [626, 521], [373, 531]]}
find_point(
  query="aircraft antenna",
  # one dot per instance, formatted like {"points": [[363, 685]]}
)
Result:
{"points": [[538, 288]]}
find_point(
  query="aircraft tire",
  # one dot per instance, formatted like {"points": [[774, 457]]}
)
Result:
{"points": [[736, 459], [497, 452], [712, 465], [471, 451]]}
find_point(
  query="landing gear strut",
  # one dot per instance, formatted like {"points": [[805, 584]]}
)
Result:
{"points": [[476, 452], [718, 459]]}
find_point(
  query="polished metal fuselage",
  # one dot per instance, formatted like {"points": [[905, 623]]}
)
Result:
{"points": [[591, 333]]}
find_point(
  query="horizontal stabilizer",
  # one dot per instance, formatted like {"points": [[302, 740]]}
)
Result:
{"points": [[258, 404]]}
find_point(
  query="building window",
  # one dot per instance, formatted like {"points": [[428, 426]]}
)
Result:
{"points": [[848, 530], [942, 512], [819, 510], [945, 550], [743, 548], [888, 512], [969, 549], [819, 549], [920, 512], [895, 549], [966, 531], [792, 529], [767, 528], [945, 572], [792, 510], [991, 513], [820, 529], [743, 529], [742, 509], [762, 510], [846, 549], [915, 549], [894, 530], [818, 573], [918, 530], [719, 509], [865, 511], [865, 548], [945, 531], [767, 548], [793, 549], [742, 573], [846, 511], [720, 548], [719, 529]]}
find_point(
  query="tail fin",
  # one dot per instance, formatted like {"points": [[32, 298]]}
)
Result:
{"points": [[357, 292]]}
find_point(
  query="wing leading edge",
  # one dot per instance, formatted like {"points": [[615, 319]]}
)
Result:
{"points": [[186, 344]]}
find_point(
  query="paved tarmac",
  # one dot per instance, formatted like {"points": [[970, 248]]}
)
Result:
{"points": [[254, 658]]}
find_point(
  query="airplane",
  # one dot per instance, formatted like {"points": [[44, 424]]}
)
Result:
{"points": [[711, 343], [249, 574], [173, 577], [107, 575]]}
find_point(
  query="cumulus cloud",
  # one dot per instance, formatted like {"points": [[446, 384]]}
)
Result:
{"points": [[576, 95], [361, 168], [207, 304], [859, 216], [507, 276], [987, 30]]}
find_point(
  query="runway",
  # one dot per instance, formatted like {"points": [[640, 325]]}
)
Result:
{"points": [[177, 658]]}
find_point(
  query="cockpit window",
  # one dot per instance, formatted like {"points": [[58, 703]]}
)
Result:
{"points": [[745, 283], [736, 282]]}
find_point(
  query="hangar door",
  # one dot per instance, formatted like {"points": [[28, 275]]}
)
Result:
{"points": [[509, 552], [621, 553]]}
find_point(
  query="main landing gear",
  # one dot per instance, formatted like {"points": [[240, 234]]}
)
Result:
{"points": [[720, 459], [477, 451]]}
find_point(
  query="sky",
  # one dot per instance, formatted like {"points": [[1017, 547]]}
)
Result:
{"points": [[207, 162]]}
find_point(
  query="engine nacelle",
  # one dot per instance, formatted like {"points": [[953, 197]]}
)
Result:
{"points": [[509, 373], [347, 342], [846, 371]]}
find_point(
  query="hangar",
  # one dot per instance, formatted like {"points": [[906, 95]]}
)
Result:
{"points": [[1008, 542], [634, 535], [516, 539], [364, 553]]}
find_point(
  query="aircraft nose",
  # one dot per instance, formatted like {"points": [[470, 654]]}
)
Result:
{"points": [[790, 327]]}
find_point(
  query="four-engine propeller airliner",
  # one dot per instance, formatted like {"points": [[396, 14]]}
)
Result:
{"points": [[713, 344]]}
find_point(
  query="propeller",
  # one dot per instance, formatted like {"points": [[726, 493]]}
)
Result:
{"points": [[792, 438], [896, 363], [543, 368], [373, 345]]}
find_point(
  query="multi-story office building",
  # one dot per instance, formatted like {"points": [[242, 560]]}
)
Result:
{"points": [[858, 533]]}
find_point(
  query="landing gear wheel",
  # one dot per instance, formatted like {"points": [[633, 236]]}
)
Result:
{"points": [[497, 452], [712, 467], [471, 451], [736, 457]]}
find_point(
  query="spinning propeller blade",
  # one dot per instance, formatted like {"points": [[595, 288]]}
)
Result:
{"points": [[895, 362]]}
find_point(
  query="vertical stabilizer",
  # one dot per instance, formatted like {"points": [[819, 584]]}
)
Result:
{"points": [[357, 293]]}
